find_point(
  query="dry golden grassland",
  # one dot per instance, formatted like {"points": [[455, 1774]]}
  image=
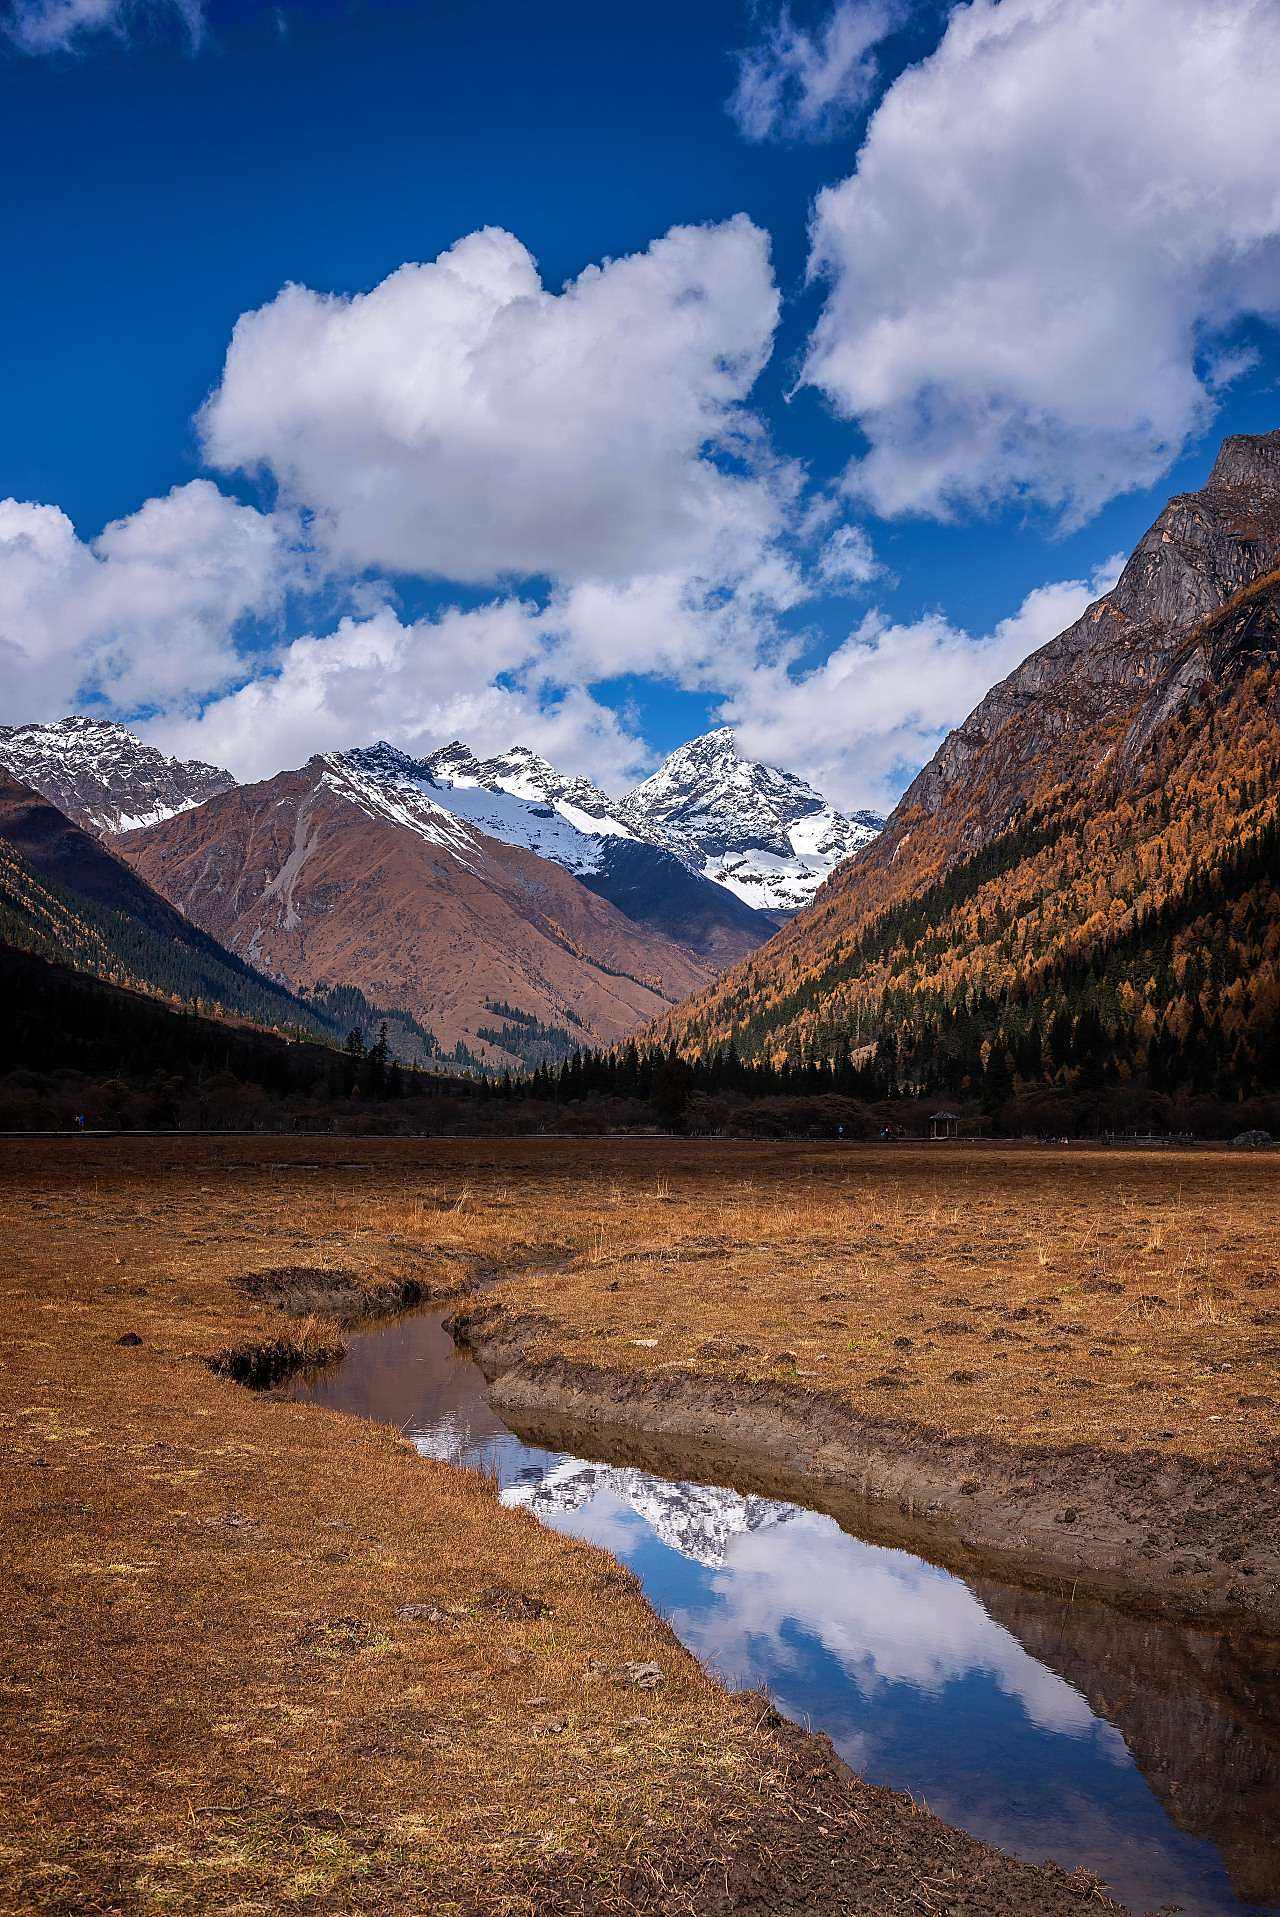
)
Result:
{"points": [[259, 1657], [1057, 1366], [1111, 1298]]}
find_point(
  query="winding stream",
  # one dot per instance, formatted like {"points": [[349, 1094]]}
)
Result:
{"points": [[1147, 1753]]}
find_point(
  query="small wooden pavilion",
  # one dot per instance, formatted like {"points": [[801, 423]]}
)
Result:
{"points": [[944, 1125]]}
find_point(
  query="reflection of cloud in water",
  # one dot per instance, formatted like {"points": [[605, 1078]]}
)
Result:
{"points": [[898, 1662], [884, 1616], [608, 1520]]}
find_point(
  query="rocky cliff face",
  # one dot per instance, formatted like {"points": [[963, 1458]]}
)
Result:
{"points": [[1045, 722], [102, 777]]}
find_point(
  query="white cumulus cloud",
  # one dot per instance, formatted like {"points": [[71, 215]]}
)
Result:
{"points": [[143, 614], [883, 1616], [880, 704], [848, 558], [476, 675], [809, 85], [461, 420], [1054, 224]]}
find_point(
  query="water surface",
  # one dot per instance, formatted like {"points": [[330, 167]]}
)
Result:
{"points": [[1148, 1754]]}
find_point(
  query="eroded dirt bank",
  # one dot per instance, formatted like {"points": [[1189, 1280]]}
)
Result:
{"points": [[1171, 1536], [253, 1655]]}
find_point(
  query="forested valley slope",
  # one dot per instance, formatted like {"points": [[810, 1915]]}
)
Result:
{"points": [[1080, 888]]}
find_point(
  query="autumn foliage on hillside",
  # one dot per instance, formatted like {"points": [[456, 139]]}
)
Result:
{"points": [[1124, 928]]}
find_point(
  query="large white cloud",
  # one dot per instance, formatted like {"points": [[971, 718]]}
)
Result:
{"points": [[478, 675], [1054, 223], [668, 626], [807, 85], [144, 614], [879, 705], [462, 420], [513, 672], [58, 26]]}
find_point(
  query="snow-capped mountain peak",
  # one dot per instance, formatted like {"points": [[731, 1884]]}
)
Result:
{"points": [[453, 786], [102, 776], [525, 774], [762, 832], [455, 763]]}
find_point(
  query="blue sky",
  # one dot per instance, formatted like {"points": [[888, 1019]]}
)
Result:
{"points": [[919, 464]]}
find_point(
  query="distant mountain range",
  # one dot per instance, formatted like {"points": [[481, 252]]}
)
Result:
{"points": [[102, 777], [338, 874], [509, 912], [1080, 888]]}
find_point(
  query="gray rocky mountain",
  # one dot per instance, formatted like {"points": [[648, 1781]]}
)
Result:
{"points": [[1205, 547], [763, 833], [104, 778]]}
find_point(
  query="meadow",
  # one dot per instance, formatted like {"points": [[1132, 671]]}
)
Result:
{"points": [[258, 1656]]}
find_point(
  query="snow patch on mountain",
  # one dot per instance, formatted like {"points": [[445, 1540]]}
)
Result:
{"points": [[372, 780], [527, 775], [762, 832], [700, 1521], [452, 785], [102, 776]]}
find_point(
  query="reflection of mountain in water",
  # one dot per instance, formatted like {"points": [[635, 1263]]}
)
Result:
{"points": [[1198, 1712], [697, 1520]]}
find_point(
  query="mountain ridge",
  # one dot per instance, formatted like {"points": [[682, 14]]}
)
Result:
{"points": [[762, 843], [102, 776], [67, 898], [327, 875], [1051, 886]]}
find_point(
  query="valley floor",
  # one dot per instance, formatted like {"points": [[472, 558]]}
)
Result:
{"points": [[1060, 1364], [259, 1657]]}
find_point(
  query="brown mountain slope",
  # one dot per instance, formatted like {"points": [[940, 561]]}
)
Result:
{"points": [[1104, 819], [65, 897], [320, 876]]}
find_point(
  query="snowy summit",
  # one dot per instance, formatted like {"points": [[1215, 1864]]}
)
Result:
{"points": [[761, 832]]}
